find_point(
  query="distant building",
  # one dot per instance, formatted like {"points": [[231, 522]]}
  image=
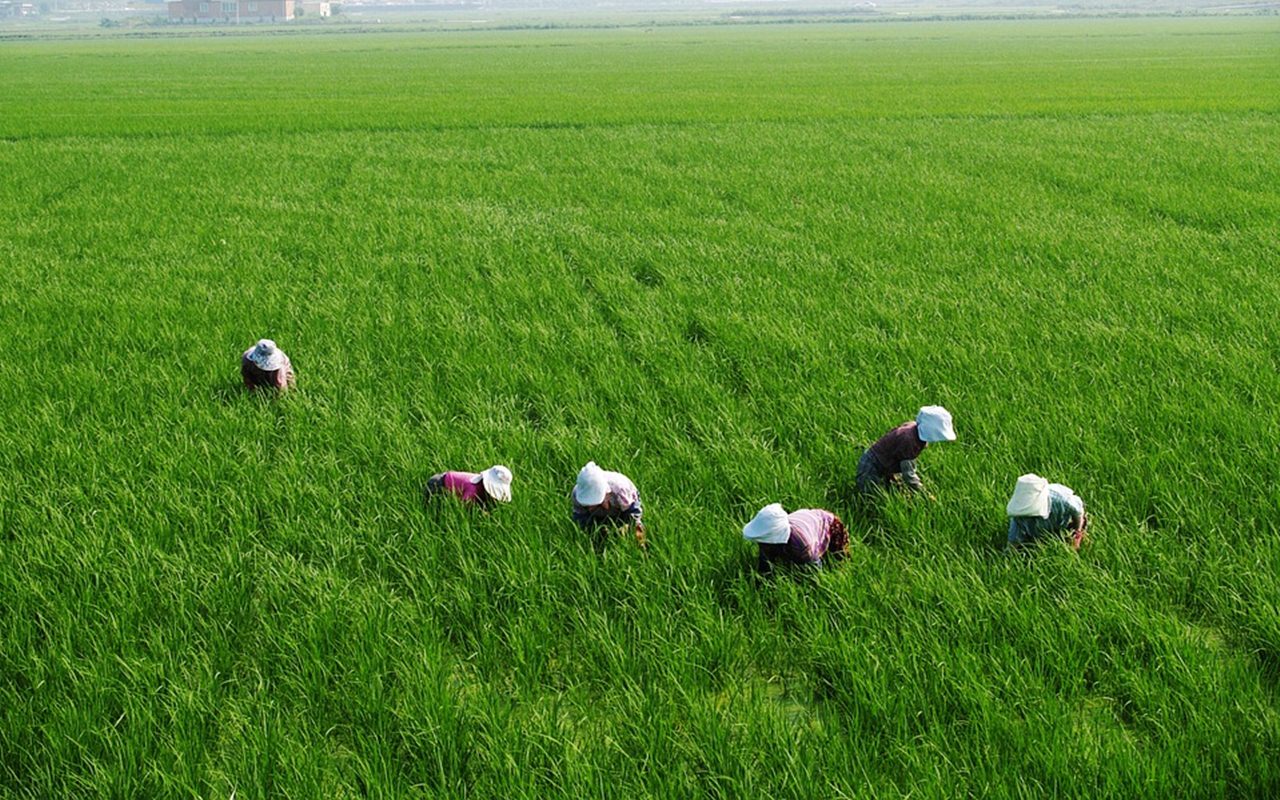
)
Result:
{"points": [[16, 8], [232, 10], [312, 9]]}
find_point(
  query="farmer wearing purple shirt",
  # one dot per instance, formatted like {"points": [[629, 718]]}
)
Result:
{"points": [[895, 453], [603, 499], [802, 537], [265, 366], [481, 488]]}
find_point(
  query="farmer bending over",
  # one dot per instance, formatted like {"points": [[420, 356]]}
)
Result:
{"points": [[607, 499], [802, 537], [1039, 508], [266, 366], [481, 488], [895, 453]]}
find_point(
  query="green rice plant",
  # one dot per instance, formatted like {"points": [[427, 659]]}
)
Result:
{"points": [[722, 260]]}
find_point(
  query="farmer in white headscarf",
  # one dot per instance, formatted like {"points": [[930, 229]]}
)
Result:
{"points": [[481, 488], [802, 537], [607, 499], [895, 453], [266, 366], [1039, 508]]}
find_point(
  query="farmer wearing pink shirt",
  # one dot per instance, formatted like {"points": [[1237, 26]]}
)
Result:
{"points": [[802, 537], [265, 366], [481, 488]]}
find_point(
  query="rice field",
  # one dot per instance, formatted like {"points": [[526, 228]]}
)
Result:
{"points": [[720, 259]]}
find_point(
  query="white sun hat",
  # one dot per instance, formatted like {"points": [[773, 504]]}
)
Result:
{"points": [[1030, 497], [266, 356], [1065, 492], [592, 485], [769, 526], [933, 423], [497, 482]]}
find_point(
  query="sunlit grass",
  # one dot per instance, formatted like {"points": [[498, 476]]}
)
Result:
{"points": [[719, 260]]}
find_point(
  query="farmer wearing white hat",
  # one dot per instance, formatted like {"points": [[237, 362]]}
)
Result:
{"points": [[266, 366], [482, 488], [1039, 508], [606, 499], [895, 453], [801, 537]]}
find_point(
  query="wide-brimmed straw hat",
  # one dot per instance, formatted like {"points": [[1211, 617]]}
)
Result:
{"points": [[497, 482], [592, 485], [769, 526], [266, 356], [933, 424], [1030, 497]]}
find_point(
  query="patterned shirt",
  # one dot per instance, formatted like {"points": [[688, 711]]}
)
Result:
{"points": [[1066, 511], [811, 535], [621, 506]]}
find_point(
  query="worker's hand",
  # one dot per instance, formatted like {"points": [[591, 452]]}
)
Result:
{"points": [[640, 537]]}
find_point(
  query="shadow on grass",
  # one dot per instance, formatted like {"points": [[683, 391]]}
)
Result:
{"points": [[866, 521], [228, 392], [728, 577], [863, 512], [602, 537], [1268, 660], [843, 493]]}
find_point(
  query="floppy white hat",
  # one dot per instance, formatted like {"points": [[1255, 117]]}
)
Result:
{"points": [[592, 485], [769, 526], [933, 423], [497, 482], [266, 356], [1030, 497]]}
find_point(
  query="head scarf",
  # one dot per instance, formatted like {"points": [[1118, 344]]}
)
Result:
{"points": [[592, 485], [769, 526], [1030, 497], [933, 424]]}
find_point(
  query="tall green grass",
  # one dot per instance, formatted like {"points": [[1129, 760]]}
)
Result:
{"points": [[719, 260]]}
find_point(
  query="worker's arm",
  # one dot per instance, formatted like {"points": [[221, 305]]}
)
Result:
{"points": [[1082, 522], [909, 476]]}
